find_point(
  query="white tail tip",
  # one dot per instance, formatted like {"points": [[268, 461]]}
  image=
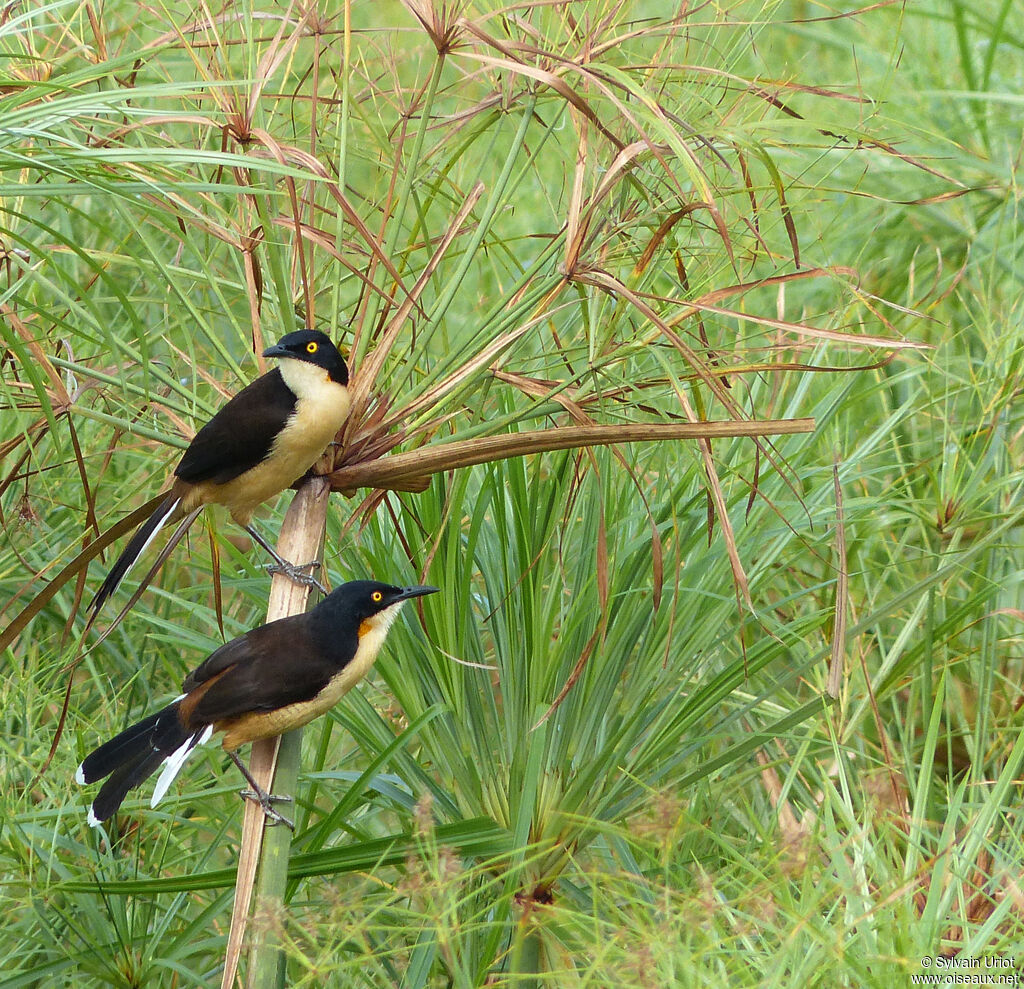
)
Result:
{"points": [[174, 762]]}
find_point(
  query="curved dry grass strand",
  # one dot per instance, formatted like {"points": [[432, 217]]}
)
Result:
{"points": [[412, 470]]}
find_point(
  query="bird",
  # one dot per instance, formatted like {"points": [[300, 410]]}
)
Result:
{"points": [[262, 441], [274, 678]]}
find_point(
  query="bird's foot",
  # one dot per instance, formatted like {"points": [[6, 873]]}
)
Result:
{"points": [[293, 571], [266, 802], [297, 572]]}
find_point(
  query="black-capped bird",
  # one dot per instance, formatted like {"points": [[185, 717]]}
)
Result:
{"points": [[262, 441], [277, 677]]}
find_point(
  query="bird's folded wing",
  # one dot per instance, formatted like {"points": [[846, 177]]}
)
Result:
{"points": [[241, 434], [270, 667]]}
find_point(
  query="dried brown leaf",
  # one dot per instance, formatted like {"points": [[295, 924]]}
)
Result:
{"points": [[43, 597], [418, 465]]}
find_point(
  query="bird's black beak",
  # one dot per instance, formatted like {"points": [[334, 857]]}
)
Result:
{"points": [[276, 351], [414, 592]]}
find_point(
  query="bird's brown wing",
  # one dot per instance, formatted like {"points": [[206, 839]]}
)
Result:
{"points": [[270, 667], [241, 434]]}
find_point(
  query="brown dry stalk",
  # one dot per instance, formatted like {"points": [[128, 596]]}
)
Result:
{"points": [[93, 549], [410, 471], [373, 363], [836, 666]]}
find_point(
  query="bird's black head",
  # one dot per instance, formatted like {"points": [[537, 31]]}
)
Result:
{"points": [[313, 347], [369, 602]]}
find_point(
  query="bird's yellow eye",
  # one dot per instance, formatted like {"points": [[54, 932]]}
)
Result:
{"points": [[377, 596], [312, 347]]}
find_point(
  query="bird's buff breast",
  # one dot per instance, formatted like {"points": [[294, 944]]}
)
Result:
{"points": [[320, 412], [265, 724]]}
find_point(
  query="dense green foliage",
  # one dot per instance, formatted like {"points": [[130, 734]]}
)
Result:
{"points": [[605, 753]]}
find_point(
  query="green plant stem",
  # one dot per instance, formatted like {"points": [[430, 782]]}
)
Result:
{"points": [[274, 764], [526, 951], [266, 962]]}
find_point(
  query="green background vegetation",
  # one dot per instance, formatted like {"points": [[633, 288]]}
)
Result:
{"points": [[592, 213]]}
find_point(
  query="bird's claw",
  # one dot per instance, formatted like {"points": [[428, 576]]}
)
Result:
{"points": [[296, 572], [266, 802]]}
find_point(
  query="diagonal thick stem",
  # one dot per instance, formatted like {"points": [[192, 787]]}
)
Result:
{"points": [[273, 763], [410, 471]]}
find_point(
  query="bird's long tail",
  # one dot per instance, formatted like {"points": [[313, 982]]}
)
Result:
{"points": [[133, 756], [137, 545]]}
